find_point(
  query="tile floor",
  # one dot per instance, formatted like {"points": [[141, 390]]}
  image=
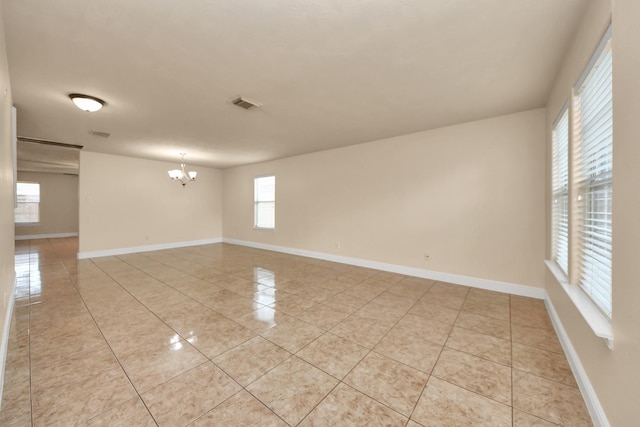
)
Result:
{"points": [[226, 335]]}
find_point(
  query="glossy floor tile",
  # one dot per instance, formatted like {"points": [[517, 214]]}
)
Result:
{"points": [[227, 335]]}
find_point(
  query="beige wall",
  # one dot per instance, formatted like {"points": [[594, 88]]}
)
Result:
{"points": [[128, 202], [6, 197], [58, 204], [614, 374], [471, 196]]}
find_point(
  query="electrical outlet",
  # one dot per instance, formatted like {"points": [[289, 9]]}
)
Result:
{"points": [[426, 257], [337, 245]]}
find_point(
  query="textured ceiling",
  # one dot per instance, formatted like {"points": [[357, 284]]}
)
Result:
{"points": [[329, 73]]}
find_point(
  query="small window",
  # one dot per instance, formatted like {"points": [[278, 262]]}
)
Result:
{"points": [[28, 210], [265, 202]]}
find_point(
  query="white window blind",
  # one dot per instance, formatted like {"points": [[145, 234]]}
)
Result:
{"points": [[593, 174], [265, 202], [28, 197], [560, 213]]}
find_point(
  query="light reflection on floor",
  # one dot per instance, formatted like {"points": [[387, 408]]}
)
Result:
{"points": [[264, 295]]}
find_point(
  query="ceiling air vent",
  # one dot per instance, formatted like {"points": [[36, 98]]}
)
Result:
{"points": [[245, 103], [100, 133]]}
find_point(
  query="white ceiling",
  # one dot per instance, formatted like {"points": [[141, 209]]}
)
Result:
{"points": [[329, 72]]}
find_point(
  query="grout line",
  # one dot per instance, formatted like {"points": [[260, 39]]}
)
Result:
{"points": [[511, 353], [76, 286], [439, 354], [29, 340]]}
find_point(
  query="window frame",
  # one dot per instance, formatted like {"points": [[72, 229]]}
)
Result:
{"points": [[18, 204], [593, 173], [257, 203], [560, 250], [599, 321]]}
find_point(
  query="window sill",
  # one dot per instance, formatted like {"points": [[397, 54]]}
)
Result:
{"points": [[26, 224], [264, 229], [598, 322]]}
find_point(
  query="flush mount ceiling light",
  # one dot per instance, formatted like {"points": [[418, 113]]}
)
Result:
{"points": [[180, 175], [86, 102]]}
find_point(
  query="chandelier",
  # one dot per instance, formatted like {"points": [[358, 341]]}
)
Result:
{"points": [[180, 175]]}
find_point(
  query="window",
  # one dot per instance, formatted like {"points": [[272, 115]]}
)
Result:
{"points": [[28, 210], [582, 171], [265, 202], [560, 178], [593, 176]]}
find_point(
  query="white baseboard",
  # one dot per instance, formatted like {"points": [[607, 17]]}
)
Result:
{"points": [[492, 285], [596, 411], [46, 236], [149, 248], [4, 344]]}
